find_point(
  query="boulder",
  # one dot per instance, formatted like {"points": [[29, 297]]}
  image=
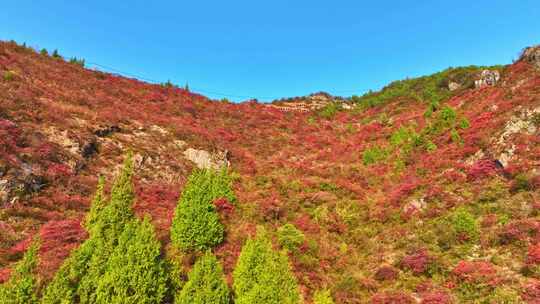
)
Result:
{"points": [[487, 78], [205, 160], [531, 55]]}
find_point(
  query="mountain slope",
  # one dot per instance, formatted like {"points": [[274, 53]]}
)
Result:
{"points": [[418, 192]]}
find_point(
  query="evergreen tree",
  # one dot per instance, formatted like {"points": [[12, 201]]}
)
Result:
{"points": [[134, 272], [76, 280], [63, 289], [206, 283], [323, 297], [196, 224], [21, 287], [263, 276], [98, 203]]}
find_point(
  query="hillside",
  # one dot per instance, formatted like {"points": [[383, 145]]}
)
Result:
{"points": [[427, 191]]}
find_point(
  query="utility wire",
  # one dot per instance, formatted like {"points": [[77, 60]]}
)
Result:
{"points": [[105, 68]]}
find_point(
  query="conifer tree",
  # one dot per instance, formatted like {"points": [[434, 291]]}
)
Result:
{"points": [[97, 205], [263, 276], [21, 287], [134, 272], [206, 283], [196, 224]]}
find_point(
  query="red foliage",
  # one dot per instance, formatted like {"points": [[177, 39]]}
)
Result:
{"points": [[520, 230], [533, 255], [531, 292], [476, 272], [386, 273], [482, 169], [4, 275], [271, 207], [224, 207], [403, 190], [58, 238], [392, 298], [58, 171], [159, 201], [305, 223], [417, 262], [436, 297]]}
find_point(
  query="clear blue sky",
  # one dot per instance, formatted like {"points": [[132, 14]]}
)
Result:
{"points": [[277, 48]]}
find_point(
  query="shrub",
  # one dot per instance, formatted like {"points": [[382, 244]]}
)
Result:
{"points": [[97, 205], [290, 237], [134, 273], [330, 110], [196, 224], [75, 60], [373, 155], [465, 225], [22, 286], [263, 276], [8, 76], [206, 283], [323, 297]]}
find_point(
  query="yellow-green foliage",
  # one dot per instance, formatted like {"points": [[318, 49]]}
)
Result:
{"points": [[263, 276], [373, 155], [134, 273], [290, 237], [323, 297], [206, 283], [196, 224], [21, 287], [120, 262]]}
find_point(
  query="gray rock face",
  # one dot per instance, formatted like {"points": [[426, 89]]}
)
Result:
{"points": [[487, 78], [532, 55], [205, 160]]}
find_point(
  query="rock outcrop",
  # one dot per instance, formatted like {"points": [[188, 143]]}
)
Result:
{"points": [[532, 55], [487, 78]]}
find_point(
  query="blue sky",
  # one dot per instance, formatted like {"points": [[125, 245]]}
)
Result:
{"points": [[271, 49]]}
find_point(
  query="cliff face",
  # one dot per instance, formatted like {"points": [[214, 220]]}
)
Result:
{"points": [[399, 200]]}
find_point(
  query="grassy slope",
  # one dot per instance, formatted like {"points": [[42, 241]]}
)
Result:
{"points": [[363, 239]]}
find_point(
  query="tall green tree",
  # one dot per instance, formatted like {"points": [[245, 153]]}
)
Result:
{"points": [[135, 272], [98, 203], [264, 276], [196, 224], [22, 286], [206, 283]]}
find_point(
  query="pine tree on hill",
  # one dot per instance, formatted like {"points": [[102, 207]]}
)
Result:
{"points": [[134, 272], [97, 205], [263, 276], [196, 224], [206, 283], [22, 286]]}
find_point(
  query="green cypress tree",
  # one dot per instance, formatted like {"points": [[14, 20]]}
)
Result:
{"points": [[135, 272], [109, 225], [63, 287], [323, 297], [196, 224], [206, 283], [263, 276], [98, 203], [21, 287]]}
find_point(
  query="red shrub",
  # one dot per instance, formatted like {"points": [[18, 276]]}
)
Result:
{"points": [[305, 223], [392, 298], [58, 171], [4, 275], [417, 262], [482, 169], [520, 230], [386, 273], [531, 292], [533, 255], [224, 207], [436, 297], [476, 272]]}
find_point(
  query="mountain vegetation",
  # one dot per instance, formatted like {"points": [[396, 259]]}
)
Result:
{"points": [[427, 191]]}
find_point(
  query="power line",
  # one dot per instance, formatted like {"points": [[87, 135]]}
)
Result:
{"points": [[198, 90]]}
